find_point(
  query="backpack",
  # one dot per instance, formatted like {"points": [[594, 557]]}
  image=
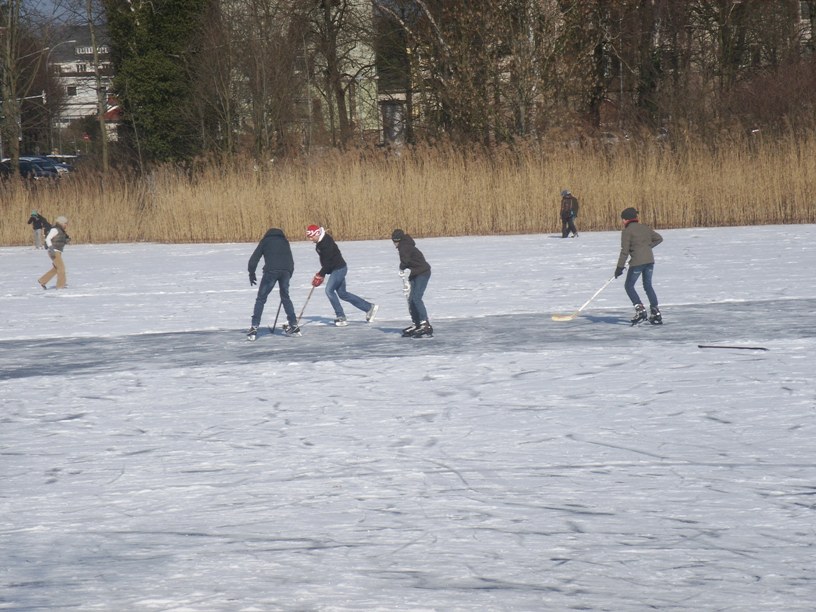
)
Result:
{"points": [[574, 206]]}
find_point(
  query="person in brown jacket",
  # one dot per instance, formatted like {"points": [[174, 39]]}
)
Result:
{"points": [[637, 242]]}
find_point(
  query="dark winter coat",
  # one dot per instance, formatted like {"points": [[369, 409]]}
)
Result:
{"points": [[411, 257], [637, 242], [330, 257], [38, 222], [569, 207], [276, 252]]}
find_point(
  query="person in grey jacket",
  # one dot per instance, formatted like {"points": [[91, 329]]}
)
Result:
{"points": [[637, 242], [279, 265], [55, 242]]}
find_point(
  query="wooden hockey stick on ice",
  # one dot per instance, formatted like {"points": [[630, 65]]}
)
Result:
{"points": [[570, 317], [308, 297]]}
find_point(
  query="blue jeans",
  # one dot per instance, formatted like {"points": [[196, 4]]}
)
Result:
{"points": [[415, 304], [631, 278], [268, 280], [336, 291]]}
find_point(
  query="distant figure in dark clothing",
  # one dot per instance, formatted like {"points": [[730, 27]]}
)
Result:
{"points": [[569, 211], [278, 268], [40, 227]]}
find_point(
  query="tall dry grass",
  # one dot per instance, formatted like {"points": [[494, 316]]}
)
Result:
{"points": [[434, 192]]}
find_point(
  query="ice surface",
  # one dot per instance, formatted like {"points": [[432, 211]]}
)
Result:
{"points": [[152, 459]]}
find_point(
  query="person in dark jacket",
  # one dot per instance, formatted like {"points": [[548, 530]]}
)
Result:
{"points": [[411, 258], [55, 242], [279, 265], [637, 242], [40, 226], [333, 264], [569, 210]]}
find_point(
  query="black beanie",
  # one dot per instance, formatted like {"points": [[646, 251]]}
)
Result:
{"points": [[397, 235], [629, 213]]}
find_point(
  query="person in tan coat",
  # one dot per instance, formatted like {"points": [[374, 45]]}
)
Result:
{"points": [[55, 242], [637, 242]]}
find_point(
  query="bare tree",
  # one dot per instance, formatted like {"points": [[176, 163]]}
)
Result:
{"points": [[341, 36]]}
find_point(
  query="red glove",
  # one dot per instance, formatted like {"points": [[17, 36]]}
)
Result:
{"points": [[317, 280]]}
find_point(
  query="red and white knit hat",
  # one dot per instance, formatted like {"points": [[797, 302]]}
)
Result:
{"points": [[313, 230]]}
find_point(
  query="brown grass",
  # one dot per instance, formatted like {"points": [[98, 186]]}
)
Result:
{"points": [[433, 192]]}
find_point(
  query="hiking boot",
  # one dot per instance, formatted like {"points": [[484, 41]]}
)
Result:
{"points": [[372, 312], [341, 321], [423, 331], [252, 334], [640, 314], [409, 331], [291, 330], [655, 318]]}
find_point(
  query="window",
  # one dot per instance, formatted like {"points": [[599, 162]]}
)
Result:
{"points": [[71, 90], [82, 68]]}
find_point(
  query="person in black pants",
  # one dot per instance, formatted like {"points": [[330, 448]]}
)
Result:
{"points": [[279, 266]]}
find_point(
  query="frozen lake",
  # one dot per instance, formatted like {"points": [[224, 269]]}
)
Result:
{"points": [[152, 459]]}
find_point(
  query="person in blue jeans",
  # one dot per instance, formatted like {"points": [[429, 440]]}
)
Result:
{"points": [[411, 258], [637, 242], [334, 266], [279, 266]]}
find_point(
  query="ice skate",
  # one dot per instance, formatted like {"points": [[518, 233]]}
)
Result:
{"points": [[640, 314]]}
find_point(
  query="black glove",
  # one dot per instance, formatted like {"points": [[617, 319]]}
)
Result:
{"points": [[618, 272], [253, 280]]}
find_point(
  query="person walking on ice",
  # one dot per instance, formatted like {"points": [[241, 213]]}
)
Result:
{"points": [[637, 242], [39, 225], [279, 265], [569, 211], [334, 266], [55, 242], [411, 258]]}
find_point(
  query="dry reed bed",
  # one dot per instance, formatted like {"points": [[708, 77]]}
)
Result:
{"points": [[432, 193]]}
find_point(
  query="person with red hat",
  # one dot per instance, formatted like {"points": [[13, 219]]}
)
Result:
{"points": [[637, 242], [334, 266]]}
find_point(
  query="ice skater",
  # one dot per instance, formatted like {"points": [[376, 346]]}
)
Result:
{"points": [[411, 258], [333, 265], [55, 242], [637, 242], [279, 265]]}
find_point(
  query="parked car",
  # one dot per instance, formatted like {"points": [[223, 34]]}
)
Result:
{"points": [[29, 170], [65, 161], [44, 163]]}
